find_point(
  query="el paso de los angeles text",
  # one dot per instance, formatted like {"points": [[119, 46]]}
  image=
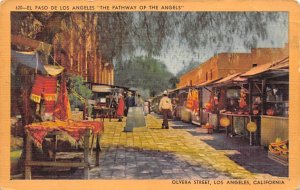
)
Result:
{"points": [[235, 182]]}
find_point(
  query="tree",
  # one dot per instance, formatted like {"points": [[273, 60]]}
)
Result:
{"points": [[145, 73], [125, 33], [77, 83], [174, 81]]}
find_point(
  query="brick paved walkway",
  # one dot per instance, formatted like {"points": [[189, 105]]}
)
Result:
{"points": [[155, 153], [176, 153]]}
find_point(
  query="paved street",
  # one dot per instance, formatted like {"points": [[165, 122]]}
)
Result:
{"points": [[177, 153], [181, 152]]}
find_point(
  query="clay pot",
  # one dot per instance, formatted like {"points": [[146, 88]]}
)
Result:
{"points": [[270, 112]]}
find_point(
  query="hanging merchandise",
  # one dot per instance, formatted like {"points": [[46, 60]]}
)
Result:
{"points": [[53, 70], [44, 87], [242, 101], [195, 101], [62, 107], [189, 101], [210, 106], [37, 89]]}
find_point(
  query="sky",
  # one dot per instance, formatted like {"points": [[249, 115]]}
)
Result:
{"points": [[178, 53]]}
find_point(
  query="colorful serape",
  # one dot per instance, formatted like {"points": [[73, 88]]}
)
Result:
{"points": [[75, 129], [44, 87], [62, 108]]}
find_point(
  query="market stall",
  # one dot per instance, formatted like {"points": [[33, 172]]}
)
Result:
{"points": [[43, 101], [179, 101], [207, 104], [273, 81], [57, 122], [36, 132], [228, 107]]}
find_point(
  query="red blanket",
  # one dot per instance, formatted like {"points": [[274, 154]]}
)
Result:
{"points": [[75, 129]]}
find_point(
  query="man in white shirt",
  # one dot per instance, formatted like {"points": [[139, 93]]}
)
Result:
{"points": [[165, 107]]}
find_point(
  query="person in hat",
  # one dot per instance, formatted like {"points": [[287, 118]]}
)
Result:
{"points": [[165, 107], [129, 102]]}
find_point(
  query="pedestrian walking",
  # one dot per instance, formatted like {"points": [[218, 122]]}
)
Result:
{"points": [[129, 102], [140, 101], [165, 107], [121, 106]]}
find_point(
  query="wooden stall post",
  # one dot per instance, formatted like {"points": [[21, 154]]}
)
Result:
{"points": [[200, 98], [92, 145], [250, 97], [97, 149], [263, 90], [86, 153], [84, 111], [28, 157], [54, 146]]}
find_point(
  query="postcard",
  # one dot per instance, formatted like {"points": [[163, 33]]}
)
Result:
{"points": [[136, 94]]}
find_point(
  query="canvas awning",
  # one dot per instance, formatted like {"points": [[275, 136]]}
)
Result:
{"points": [[257, 70], [34, 61], [101, 88], [29, 59], [278, 65], [207, 83], [228, 78], [180, 88]]}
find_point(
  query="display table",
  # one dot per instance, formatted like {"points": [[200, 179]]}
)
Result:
{"points": [[103, 112], [273, 127], [238, 126], [37, 132]]}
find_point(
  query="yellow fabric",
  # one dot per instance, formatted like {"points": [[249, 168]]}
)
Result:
{"points": [[53, 70], [50, 97], [189, 101], [51, 123], [69, 112], [35, 98]]}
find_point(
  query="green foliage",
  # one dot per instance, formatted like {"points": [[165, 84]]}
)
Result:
{"points": [[77, 83], [122, 33], [174, 81], [144, 73]]}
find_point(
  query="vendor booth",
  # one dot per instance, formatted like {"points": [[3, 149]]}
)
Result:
{"points": [[56, 123], [106, 99], [179, 102], [45, 110], [273, 80], [227, 107], [207, 109]]}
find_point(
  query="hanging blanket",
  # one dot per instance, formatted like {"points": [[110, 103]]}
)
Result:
{"points": [[75, 129], [62, 108], [44, 87]]}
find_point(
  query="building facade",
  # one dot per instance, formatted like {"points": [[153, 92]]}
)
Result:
{"points": [[225, 64], [76, 49]]}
